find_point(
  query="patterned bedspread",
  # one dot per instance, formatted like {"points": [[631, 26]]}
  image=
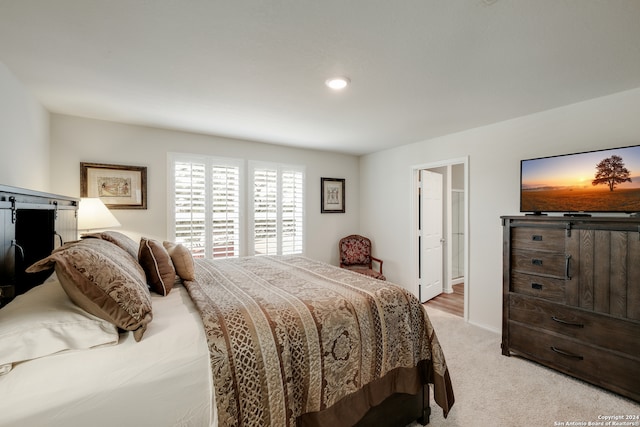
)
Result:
{"points": [[289, 335]]}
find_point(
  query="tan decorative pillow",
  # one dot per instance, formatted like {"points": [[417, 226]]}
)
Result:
{"points": [[104, 280], [157, 265], [118, 239], [182, 260]]}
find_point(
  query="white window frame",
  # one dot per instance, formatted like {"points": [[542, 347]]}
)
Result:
{"points": [[246, 198], [280, 168], [209, 162]]}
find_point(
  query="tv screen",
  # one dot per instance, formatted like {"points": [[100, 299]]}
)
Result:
{"points": [[595, 181]]}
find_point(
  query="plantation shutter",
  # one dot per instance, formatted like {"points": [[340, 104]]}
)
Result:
{"points": [[265, 211], [190, 206], [278, 209], [225, 223], [211, 195], [292, 212]]}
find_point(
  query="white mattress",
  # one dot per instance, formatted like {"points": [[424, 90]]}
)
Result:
{"points": [[163, 380]]}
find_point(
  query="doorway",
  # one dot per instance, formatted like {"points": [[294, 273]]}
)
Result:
{"points": [[452, 266]]}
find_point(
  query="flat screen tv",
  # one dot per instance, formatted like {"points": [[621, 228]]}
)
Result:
{"points": [[602, 181]]}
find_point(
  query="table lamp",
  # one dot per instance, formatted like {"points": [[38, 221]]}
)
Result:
{"points": [[94, 215]]}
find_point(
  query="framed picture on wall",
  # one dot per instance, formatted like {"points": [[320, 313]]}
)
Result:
{"points": [[118, 186], [332, 195]]}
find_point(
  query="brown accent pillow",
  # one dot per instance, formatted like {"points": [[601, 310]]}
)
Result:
{"points": [[118, 239], [104, 280], [157, 265], [182, 260]]}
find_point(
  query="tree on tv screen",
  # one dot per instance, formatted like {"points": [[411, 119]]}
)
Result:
{"points": [[611, 171]]}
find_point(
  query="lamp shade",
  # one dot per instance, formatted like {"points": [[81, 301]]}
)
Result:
{"points": [[93, 214]]}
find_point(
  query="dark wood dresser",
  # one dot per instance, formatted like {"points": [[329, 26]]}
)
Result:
{"points": [[571, 297]]}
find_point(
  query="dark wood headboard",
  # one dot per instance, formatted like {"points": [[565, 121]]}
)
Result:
{"points": [[32, 224]]}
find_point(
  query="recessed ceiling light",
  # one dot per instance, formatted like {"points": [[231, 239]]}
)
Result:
{"points": [[337, 83]]}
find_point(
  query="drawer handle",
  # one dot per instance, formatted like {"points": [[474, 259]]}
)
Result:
{"points": [[536, 286], [566, 353], [536, 237], [536, 261], [564, 322]]}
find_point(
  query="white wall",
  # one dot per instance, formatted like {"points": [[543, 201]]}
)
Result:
{"points": [[494, 154], [75, 140], [24, 136]]}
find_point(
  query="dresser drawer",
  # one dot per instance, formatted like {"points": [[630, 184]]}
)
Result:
{"points": [[541, 263], [538, 239], [601, 367], [605, 331], [538, 286]]}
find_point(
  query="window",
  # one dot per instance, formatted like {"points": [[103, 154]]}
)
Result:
{"points": [[265, 212], [278, 209], [190, 216], [206, 208], [225, 198], [292, 212], [206, 213]]}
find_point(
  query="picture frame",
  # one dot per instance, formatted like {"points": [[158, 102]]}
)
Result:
{"points": [[118, 186], [332, 199]]}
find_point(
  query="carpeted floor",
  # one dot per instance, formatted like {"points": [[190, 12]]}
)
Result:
{"points": [[495, 390]]}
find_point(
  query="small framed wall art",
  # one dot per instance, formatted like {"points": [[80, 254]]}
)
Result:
{"points": [[332, 195], [118, 186]]}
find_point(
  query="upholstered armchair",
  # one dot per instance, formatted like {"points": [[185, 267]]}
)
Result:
{"points": [[355, 254]]}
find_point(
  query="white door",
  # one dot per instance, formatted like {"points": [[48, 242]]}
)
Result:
{"points": [[431, 240]]}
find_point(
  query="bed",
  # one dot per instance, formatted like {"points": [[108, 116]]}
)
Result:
{"points": [[336, 343], [255, 341]]}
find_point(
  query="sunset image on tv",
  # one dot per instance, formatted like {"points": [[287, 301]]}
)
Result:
{"points": [[598, 181]]}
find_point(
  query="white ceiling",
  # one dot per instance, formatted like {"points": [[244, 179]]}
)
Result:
{"points": [[256, 69]]}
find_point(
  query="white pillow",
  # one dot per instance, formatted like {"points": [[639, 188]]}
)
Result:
{"points": [[44, 321]]}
